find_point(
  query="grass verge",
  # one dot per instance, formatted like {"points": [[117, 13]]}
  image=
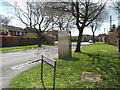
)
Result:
{"points": [[69, 70], [74, 42], [21, 47]]}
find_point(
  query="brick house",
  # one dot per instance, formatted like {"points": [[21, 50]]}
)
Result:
{"points": [[86, 37], [15, 31], [114, 36], [100, 36]]}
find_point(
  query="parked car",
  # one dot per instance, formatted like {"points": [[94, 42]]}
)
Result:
{"points": [[90, 41]]}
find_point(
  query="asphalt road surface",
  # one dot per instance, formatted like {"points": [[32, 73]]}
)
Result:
{"points": [[16, 61]]}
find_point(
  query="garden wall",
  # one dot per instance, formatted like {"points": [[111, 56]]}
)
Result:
{"points": [[8, 41], [113, 37]]}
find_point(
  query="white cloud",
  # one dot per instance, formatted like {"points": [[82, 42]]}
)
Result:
{"points": [[110, 2], [17, 23], [74, 32]]}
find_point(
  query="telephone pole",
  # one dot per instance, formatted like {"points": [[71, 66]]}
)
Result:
{"points": [[110, 22], [104, 30], [118, 18]]}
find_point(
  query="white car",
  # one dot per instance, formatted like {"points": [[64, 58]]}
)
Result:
{"points": [[90, 41]]}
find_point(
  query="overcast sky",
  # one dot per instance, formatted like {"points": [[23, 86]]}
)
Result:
{"points": [[15, 21]]}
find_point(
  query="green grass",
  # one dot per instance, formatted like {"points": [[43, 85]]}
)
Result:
{"points": [[74, 42], [69, 70], [21, 47], [57, 43]]}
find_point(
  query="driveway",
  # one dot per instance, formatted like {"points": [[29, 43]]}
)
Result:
{"points": [[16, 61]]}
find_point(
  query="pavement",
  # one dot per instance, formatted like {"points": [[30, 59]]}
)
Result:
{"points": [[11, 60], [15, 61]]}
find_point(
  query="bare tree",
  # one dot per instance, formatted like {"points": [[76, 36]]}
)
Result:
{"points": [[4, 20], [96, 24], [62, 20], [82, 11], [36, 17], [85, 13], [65, 21], [117, 6]]}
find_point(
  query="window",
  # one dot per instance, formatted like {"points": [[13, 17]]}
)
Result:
{"points": [[20, 33], [16, 33]]}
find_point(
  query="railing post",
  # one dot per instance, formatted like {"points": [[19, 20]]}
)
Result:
{"points": [[52, 63], [54, 77], [42, 67]]}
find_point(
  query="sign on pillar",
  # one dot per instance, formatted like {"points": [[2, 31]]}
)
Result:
{"points": [[64, 44]]}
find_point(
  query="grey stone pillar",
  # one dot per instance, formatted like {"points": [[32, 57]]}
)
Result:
{"points": [[64, 44]]}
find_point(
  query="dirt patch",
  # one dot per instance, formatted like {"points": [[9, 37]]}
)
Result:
{"points": [[91, 76]]}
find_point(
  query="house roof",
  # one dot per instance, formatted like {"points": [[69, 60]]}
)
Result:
{"points": [[102, 35], [28, 29], [13, 28]]}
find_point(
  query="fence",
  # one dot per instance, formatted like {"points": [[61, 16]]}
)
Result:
{"points": [[7, 41]]}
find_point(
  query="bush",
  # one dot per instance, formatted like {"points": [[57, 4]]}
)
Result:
{"points": [[3, 31], [48, 39]]}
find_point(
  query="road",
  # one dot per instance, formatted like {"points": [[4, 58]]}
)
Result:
{"points": [[16, 61], [82, 44]]}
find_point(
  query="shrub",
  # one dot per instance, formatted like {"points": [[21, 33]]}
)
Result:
{"points": [[3, 31], [48, 39]]}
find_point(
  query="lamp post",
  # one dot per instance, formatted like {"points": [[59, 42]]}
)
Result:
{"points": [[118, 18], [110, 22]]}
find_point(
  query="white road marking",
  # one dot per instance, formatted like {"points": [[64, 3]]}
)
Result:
{"points": [[24, 64]]}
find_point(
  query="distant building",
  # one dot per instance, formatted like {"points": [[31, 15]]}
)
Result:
{"points": [[74, 38], [100, 36], [15, 31], [86, 37]]}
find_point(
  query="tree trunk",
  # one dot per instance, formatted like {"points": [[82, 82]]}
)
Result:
{"points": [[93, 32], [40, 37], [79, 40], [39, 42], [94, 37]]}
